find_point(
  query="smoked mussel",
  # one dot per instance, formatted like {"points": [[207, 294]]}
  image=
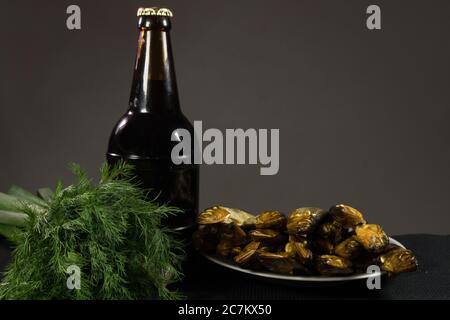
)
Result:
{"points": [[346, 216], [331, 265], [398, 260], [331, 231], [240, 217], [234, 234], [372, 237], [220, 214], [310, 241], [350, 248], [303, 221], [270, 220], [300, 251], [247, 254], [231, 236], [278, 262], [266, 236], [213, 215]]}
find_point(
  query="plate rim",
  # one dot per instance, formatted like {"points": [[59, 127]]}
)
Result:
{"points": [[276, 276]]}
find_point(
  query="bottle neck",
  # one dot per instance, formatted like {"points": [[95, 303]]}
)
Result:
{"points": [[154, 87]]}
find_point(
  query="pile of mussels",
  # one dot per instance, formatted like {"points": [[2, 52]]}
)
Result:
{"points": [[309, 241]]}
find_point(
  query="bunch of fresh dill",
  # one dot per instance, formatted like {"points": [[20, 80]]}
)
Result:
{"points": [[108, 230]]}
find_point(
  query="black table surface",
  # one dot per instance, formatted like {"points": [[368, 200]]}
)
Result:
{"points": [[205, 280]]}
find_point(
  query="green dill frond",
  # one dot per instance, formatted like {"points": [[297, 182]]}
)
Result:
{"points": [[110, 231], [120, 171]]}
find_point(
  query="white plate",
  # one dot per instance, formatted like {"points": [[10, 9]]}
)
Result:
{"points": [[274, 276]]}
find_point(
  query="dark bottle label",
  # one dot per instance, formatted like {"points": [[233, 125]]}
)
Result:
{"points": [[174, 185]]}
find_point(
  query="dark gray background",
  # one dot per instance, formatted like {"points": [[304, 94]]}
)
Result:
{"points": [[363, 115]]}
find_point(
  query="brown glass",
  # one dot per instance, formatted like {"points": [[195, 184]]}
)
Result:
{"points": [[142, 136]]}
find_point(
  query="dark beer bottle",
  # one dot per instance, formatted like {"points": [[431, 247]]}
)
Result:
{"points": [[142, 136]]}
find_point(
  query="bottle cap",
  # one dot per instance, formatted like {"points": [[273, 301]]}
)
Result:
{"points": [[154, 11]]}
